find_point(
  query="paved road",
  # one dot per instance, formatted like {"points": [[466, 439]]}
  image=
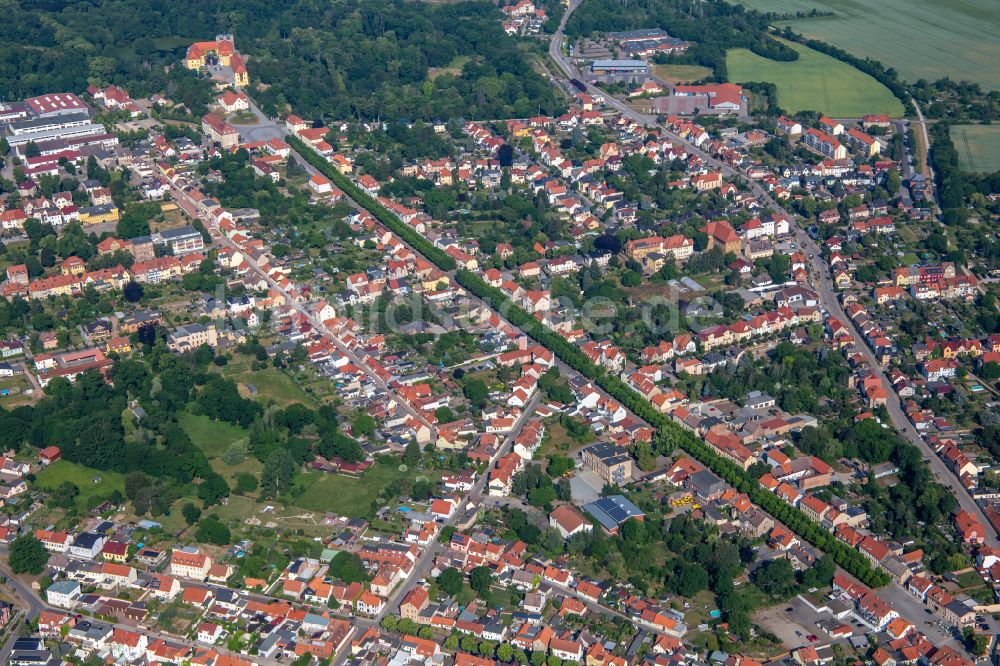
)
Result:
{"points": [[913, 610], [357, 359], [26, 598], [828, 297], [820, 281], [263, 130], [36, 605]]}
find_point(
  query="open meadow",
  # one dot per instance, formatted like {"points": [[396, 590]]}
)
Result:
{"points": [[921, 39], [815, 82]]}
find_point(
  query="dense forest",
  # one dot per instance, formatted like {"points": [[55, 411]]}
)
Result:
{"points": [[359, 58], [713, 26], [366, 59]]}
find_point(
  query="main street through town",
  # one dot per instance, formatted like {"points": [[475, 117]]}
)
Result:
{"points": [[265, 129], [819, 275]]}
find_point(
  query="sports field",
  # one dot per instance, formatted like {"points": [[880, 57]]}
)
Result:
{"points": [[978, 147], [815, 82], [927, 39]]}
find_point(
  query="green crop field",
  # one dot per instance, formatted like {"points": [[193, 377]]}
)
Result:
{"points": [[921, 39], [815, 82], [681, 73], [978, 147]]}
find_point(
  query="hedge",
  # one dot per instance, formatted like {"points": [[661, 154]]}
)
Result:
{"points": [[669, 435]]}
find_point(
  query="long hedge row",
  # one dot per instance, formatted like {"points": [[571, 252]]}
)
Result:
{"points": [[669, 435], [435, 255]]}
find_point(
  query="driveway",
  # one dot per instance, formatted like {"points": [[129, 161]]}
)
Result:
{"points": [[586, 486]]}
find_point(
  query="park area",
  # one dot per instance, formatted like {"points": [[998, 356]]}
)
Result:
{"points": [[978, 147], [815, 82], [921, 39]]}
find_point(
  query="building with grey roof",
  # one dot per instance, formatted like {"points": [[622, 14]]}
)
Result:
{"points": [[613, 511]]}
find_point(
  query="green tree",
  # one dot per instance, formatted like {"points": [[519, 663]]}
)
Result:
{"points": [[476, 392], [133, 292], [278, 473], [450, 581], [776, 578], [348, 567], [444, 415], [559, 465], [481, 579], [191, 513], [214, 531], [235, 453], [27, 555], [363, 425], [412, 455]]}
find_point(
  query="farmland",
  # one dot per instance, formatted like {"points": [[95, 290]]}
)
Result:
{"points": [[978, 147], [815, 82], [681, 73], [903, 33]]}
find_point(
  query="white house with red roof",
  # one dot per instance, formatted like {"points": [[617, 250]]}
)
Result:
{"points": [[232, 102]]}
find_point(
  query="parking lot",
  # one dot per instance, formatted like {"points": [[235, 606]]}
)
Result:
{"points": [[586, 486], [793, 622]]}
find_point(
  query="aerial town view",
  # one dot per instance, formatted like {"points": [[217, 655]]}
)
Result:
{"points": [[485, 332]]}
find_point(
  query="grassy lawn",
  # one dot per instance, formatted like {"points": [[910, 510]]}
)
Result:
{"points": [[58, 472], [17, 396], [271, 384], [557, 440], [453, 67], [681, 73], [969, 579], [903, 34], [212, 437], [243, 118], [978, 147], [815, 82], [347, 495]]}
